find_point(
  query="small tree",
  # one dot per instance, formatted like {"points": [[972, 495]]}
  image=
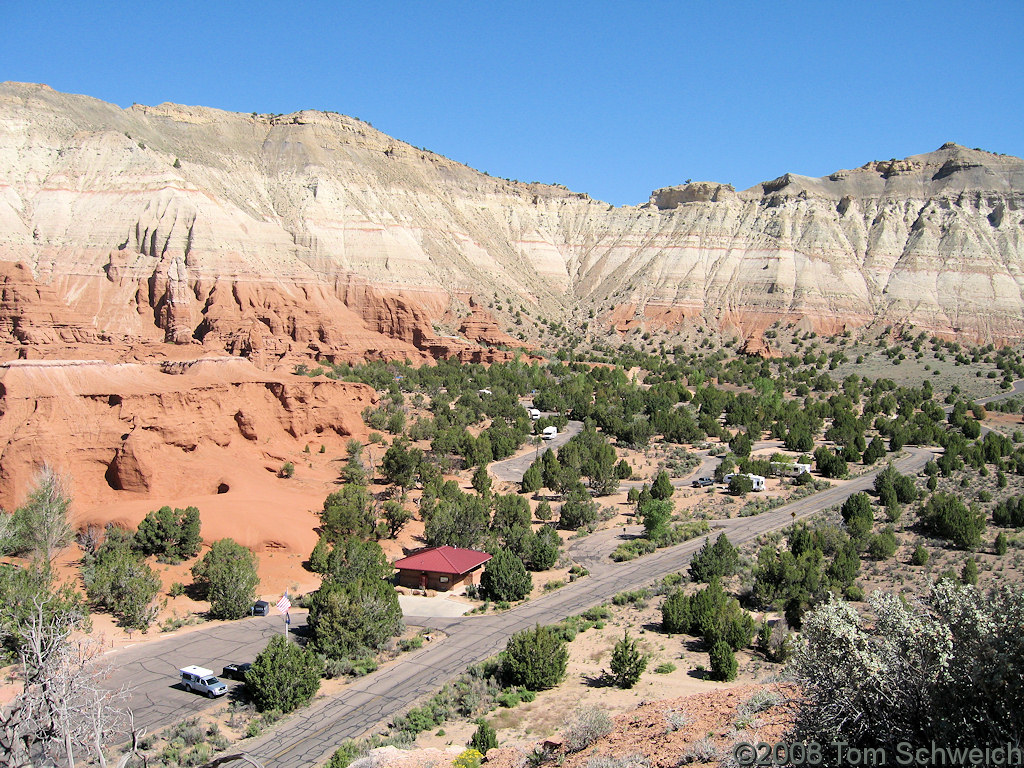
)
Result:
{"points": [[628, 663], [505, 577], [740, 485], [395, 518], [284, 676], [227, 577], [350, 618], [535, 659], [119, 580], [920, 556], [675, 613], [532, 479], [173, 534], [578, 511], [482, 481], [41, 523], [662, 487], [969, 575], [484, 738], [543, 511], [723, 662], [715, 560]]}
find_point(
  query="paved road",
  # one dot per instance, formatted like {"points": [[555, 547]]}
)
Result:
{"points": [[368, 702], [314, 733], [512, 470]]}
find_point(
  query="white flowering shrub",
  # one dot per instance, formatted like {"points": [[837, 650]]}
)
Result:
{"points": [[949, 669]]}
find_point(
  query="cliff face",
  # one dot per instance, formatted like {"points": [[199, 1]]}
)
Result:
{"points": [[314, 234], [161, 430]]}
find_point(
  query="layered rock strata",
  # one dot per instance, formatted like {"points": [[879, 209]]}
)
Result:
{"points": [[314, 234]]}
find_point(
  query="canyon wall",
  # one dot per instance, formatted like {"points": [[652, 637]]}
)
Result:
{"points": [[312, 234], [163, 430]]}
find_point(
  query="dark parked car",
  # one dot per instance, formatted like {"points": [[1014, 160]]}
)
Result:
{"points": [[260, 608], [235, 671], [702, 482]]}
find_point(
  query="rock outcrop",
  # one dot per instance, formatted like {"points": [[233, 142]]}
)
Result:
{"points": [[160, 430], [281, 237]]}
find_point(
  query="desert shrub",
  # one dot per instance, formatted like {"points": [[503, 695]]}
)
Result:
{"points": [[505, 577], [627, 663], [535, 659], [1001, 544], [882, 545], [913, 669], [284, 676], [920, 556], [715, 560], [723, 662], [702, 750], [170, 533], [587, 726], [664, 669], [946, 516], [710, 613], [118, 579], [969, 575], [484, 737], [227, 577], [469, 758]]}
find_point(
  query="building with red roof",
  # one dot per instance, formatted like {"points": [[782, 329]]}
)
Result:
{"points": [[440, 568]]}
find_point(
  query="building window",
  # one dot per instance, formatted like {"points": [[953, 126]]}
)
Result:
{"points": [[443, 579]]}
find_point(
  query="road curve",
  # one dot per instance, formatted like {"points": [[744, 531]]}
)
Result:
{"points": [[512, 470]]}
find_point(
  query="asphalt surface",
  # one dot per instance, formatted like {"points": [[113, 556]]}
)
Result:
{"points": [[512, 470], [310, 736], [369, 702]]}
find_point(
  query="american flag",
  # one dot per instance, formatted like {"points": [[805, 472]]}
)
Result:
{"points": [[284, 603]]}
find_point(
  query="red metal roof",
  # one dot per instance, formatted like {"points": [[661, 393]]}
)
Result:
{"points": [[443, 560]]}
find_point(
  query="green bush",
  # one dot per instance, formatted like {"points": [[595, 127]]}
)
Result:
{"points": [[118, 579], [227, 577], [627, 663], [535, 659], [715, 560], [969, 575], [484, 738], [170, 533], [505, 577], [348, 619], [920, 556], [723, 662], [284, 676], [946, 516], [740, 485]]}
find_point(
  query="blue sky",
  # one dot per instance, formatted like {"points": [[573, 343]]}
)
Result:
{"points": [[611, 99]]}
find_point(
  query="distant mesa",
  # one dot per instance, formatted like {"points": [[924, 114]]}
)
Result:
{"points": [[172, 231]]}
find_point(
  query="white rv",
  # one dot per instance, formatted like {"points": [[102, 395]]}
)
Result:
{"points": [[549, 433], [534, 414], [757, 481]]}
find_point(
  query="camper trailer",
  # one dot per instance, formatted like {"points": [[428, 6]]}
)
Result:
{"points": [[757, 482], [534, 414], [549, 433]]}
